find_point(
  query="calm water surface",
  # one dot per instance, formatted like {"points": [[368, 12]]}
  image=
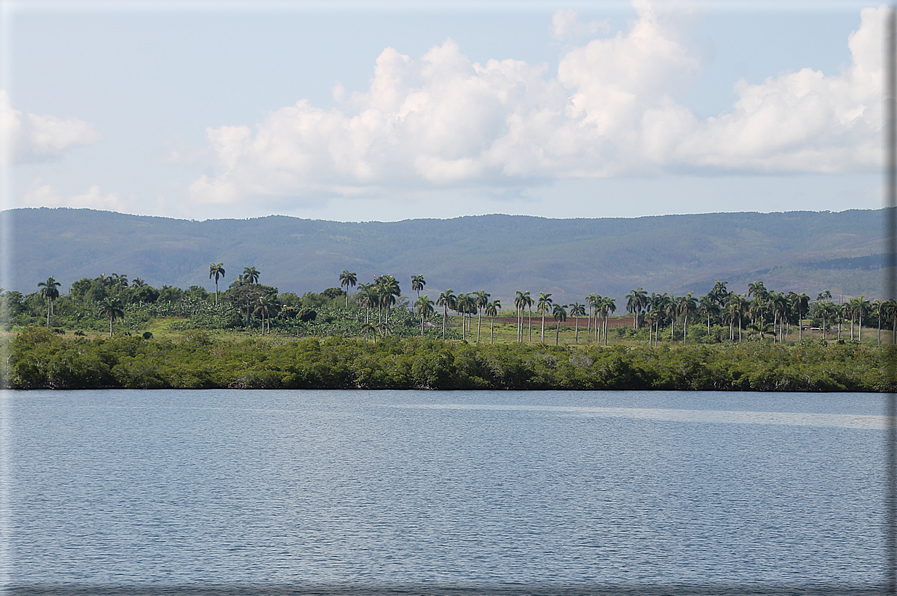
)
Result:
{"points": [[444, 488]]}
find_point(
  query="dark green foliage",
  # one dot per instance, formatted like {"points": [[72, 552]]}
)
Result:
{"points": [[42, 359]]}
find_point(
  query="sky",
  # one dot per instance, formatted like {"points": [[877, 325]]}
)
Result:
{"points": [[361, 111]]}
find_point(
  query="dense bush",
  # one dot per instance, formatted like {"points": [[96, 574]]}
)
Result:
{"points": [[40, 358]]}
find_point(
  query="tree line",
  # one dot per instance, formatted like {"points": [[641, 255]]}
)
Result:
{"points": [[378, 309]]}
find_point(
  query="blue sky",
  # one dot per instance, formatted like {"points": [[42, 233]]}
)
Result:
{"points": [[389, 111]]}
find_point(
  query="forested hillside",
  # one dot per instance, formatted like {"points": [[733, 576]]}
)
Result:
{"points": [[801, 251]]}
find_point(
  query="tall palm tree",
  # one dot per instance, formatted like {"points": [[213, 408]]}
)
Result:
{"points": [[417, 284], [801, 305], [659, 305], [366, 296], [779, 304], [528, 303], [672, 311], [49, 290], [110, 307], [388, 292], [687, 304], [591, 300], [481, 299], [251, 275], [608, 305], [520, 305], [347, 279], [708, 307], [139, 283], [492, 311], [822, 304], [863, 308], [559, 312], [890, 308], [543, 307], [268, 308], [216, 270], [635, 302], [577, 310], [447, 300], [424, 309]]}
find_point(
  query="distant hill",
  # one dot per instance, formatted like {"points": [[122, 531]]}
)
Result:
{"points": [[799, 251]]}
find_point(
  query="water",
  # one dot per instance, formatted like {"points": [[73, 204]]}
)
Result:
{"points": [[443, 489]]}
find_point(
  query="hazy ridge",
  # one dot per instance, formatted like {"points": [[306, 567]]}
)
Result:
{"points": [[798, 251]]}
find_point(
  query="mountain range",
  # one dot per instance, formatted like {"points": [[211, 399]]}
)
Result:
{"points": [[571, 258]]}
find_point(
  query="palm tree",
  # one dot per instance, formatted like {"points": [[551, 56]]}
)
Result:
{"points": [[424, 309], [862, 309], [890, 308], [608, 305], [481, 299], [417, 284], [708, 306], [659, 305], [636, 300], [466, 306], [491, 311], [139, 283], [251, 275], [687, 304], [544, 307], [577, 310], [779, 304], [520, 305], [529, 306], [111, 308], [51, 293], [447, 300], [366, 296], [216, 270], [268, 308], [877, 307], [388, 292], [801, 305], [559, 312], [591, 301], [822, 303], [347, 279]]}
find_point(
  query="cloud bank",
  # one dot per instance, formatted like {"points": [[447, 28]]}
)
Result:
{"points": [[442, 121], [26, 137]]}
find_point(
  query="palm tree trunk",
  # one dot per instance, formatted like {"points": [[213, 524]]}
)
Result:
{"points": [[479, 322], [492, 332], [557, 333], [530, 325], [577, 329], [543, 328]]}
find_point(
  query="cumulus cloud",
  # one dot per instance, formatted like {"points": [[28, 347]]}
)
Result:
{"points": [[444, 121], [566, 26], [44, 195], [30, 137]]}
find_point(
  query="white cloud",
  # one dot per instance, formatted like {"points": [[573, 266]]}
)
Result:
{"points": [[30, 137], [565, 26], [445, 122], [44, 195]]}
